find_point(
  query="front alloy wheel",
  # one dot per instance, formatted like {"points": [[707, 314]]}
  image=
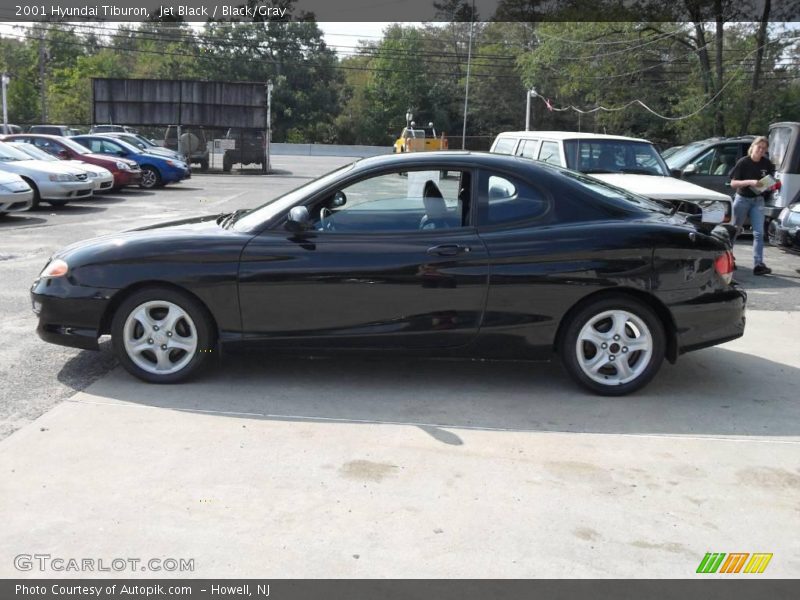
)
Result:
{"points": [[614, 346], [150, 178], [161, 335]]}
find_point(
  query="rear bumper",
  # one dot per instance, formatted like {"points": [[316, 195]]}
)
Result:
{"points": [[710, 320]]}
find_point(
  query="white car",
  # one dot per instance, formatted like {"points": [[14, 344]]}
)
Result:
{"points": [[15, 194], [632, 164], [102, 178], [51, 182]]}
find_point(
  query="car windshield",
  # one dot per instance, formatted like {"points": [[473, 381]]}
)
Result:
{"points": [[260, 215], [616, 195], [680, 157], [74, 146], [32, 151], [125, 145], [11, 154], [614, 156]]}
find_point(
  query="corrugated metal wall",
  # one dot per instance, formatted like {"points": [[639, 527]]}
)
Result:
{"points": [[172, 102]]}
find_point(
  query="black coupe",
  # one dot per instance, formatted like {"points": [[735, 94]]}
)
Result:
{"points": [[442, 253]]}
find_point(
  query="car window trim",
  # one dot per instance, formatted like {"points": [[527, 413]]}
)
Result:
{"points": [[278, 221], [525, 224]]}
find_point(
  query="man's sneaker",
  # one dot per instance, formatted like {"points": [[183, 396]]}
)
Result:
{"points": [[762, 269]]}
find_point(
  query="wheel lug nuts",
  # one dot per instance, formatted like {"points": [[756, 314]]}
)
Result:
{"points": [[169, 334], [616, 337], [604, 346], [155, 327], [611, 357], [624, 348], [150, 341], [163, 346]]}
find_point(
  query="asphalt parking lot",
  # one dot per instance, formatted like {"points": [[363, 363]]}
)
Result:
{"points": [[367, 467]]}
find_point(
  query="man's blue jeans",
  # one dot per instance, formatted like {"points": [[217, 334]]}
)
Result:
{"points": [[754, 207]]}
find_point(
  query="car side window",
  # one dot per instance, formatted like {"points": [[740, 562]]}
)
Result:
{"points": [[549, 153], [504, 146], [396, 202], [527, 148], [505, 200]]}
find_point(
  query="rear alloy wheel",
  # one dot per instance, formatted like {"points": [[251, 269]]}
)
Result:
{"points": [[161, 335], [614, 346], [150, 178]]}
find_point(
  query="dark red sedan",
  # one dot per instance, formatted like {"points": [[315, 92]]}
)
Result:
{"points": [[125, 171]]}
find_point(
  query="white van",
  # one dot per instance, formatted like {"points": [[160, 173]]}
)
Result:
{"points": [[632, 164]]}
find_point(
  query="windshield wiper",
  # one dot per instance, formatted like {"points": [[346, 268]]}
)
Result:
{"points": [[591, 171], [230, 218]]}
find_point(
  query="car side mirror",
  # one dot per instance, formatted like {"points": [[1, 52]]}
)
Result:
{"points": [[339, 199], [299, 220], [690, 169]]}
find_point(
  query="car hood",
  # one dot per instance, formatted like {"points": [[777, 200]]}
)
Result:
{"points": [[142, 240], [6, 177], [660, 187], [89, 167], [39, 167], [105, 158]]}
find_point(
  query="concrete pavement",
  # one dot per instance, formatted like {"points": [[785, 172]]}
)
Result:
{"points": [[276, 467]]}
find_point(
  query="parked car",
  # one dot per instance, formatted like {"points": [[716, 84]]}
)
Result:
{"points": [[784, 230], [630, 163], [193, 144], [53, 183], [505, 258], [708, 163], [784, 152], [670, 151], [250, 148], [145, 145], [102, 178], [51, 130], [9, 129], [156, 170], [15, 194], [126, 172], [111, 128]]}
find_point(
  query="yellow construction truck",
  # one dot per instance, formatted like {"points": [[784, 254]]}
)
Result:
{"points": [[419, 139]]}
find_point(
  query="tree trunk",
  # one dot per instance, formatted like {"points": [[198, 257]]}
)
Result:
{"points": [[761, 38]]}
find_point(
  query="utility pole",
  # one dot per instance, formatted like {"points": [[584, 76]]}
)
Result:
{"points": [[466, 91], [43, 83], [531, 92], [268, 132], [5, 80]]}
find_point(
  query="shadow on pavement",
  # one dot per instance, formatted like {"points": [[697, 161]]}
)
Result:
{"points": [[711, 392]]}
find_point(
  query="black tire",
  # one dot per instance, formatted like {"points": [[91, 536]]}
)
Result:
{"points": [[151, 178], [37, 199], [607, 376], [199, 324]]}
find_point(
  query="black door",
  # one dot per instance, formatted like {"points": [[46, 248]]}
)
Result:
{"points": [[394, 261]]}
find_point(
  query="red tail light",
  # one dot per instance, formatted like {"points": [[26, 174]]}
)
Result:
{"points": [[724, 266]]}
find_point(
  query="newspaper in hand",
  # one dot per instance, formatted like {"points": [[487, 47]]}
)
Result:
{"points": [[764, 184]]}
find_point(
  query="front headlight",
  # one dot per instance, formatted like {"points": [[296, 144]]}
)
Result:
{"points": [[783, 215], [123, 166], [63, 177], [55, 268]]}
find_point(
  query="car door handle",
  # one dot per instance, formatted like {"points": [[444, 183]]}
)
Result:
{"points": [[449, 250]]}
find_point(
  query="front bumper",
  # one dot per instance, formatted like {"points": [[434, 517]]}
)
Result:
{"points": [[65, 190], [101, 184], [710, 320], [123, 178], [69, 315], [16, 201]]}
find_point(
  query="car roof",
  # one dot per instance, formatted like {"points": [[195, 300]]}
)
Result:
{"points": [[568, 135], [450, 157]]}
